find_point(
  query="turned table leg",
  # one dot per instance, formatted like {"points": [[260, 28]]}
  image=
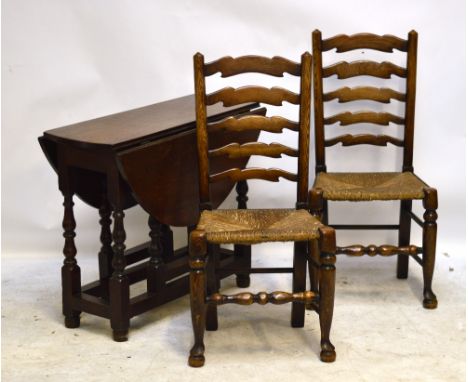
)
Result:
{"points": [[156, 280], [71, 273], [119, 288], [105, 254]]}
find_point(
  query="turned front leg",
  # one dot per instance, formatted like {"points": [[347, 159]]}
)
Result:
{"points": [[327, 291], [429, 246], [156, 281], [119, 288], [197, 256], [71, 273], [316, 209]]}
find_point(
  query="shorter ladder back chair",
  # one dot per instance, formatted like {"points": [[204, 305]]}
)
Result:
{"points": [[402, 186], [247, 227]]}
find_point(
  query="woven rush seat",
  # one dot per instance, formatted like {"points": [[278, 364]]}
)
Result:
{"points": [[257, 226], [367, 186]]}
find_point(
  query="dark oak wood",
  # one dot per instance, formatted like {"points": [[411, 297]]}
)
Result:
{"points": [[404, 232], [135, 125], [111, 164], [71, 273], [383, 70], [204, 294], [177, 202], [119, 285], [243, 252], [298, 297], [156, 275], [105, 254], [229, 66]]}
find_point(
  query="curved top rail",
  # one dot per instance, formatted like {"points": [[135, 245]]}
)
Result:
{"points": [[345, 43], [229, 66]]}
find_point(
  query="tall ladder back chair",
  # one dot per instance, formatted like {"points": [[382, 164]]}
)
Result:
{"points": [[404, 186], [247, 227]]}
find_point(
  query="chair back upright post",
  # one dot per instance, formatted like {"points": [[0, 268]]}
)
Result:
{"points": [[383, 70], [202, 133], [411, 65], [229, 96]]}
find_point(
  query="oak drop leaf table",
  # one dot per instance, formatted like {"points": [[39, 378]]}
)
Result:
{"points": [[144, 156]]}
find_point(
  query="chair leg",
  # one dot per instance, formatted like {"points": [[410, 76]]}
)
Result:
{"points": [[429, 246], [314, 272], [212, 286], [316, 207], [404, 237], [243, 252], [327, 291], [299, 283], [197, 255]]}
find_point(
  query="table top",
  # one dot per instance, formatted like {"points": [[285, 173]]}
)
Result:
{"points": [[125, 127]]}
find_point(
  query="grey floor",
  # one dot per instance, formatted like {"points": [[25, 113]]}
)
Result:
{"points": [[380, 330]]}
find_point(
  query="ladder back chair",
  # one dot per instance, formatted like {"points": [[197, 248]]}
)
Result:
{"points": [[246, 227], [402, 186]]}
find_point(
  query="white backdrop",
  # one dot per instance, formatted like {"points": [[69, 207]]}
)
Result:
{"points": [[67, 61]]}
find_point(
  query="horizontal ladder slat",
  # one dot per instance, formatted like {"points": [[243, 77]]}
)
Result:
{"points": [[230, 96], [363, 139], [345, 43], [347, 94], [349, 118], [272, 150], [262, 298], [345, 69], [236, 174], [229, 66], [274, 124]]}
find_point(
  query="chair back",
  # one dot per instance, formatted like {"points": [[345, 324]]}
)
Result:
{"points": [[383, 70], [230, 96]]}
